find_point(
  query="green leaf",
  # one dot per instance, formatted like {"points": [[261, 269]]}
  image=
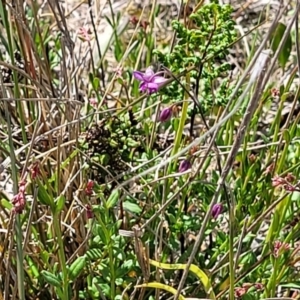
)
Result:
{"points": [[132, 207], [91, 77], [132, 143], [96, 83], [113, 199], [76, 267], [93, 254], [104, 288], [286, 136], [6, 204], [43, 195], [60, 203], [287, 47], [295, 196], [291, 285], [51, 278], [32, 267]]}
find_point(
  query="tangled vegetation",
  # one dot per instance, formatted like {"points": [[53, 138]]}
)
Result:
{"points": [[137, 166]]}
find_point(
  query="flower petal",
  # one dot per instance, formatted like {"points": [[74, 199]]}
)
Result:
{"points": [[159, 80], [152, 87], [138, 75], [149, 72], [143, 86]]}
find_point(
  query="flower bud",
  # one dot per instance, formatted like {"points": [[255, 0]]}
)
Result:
{"points": [[89, 187], [290, 177], [165, 114], [216, 210], [184, 166], [89, 212], [259, 286]]}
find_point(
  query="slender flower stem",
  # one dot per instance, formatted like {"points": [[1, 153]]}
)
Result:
{"points": [[62, 258], [18, 226], [20, 267], [183, 118], [271, 287], [19, 236], [111, 258], [231, 252]]}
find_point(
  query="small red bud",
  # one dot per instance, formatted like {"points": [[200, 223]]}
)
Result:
{"points": [[134, 20], [240, 291], [165, 114], [216, 210], [290, 177], [259, 286], [184, 166], [252, 158], [35, 170], [144, 24], [89, 187], [89, 212], [275, 92]]}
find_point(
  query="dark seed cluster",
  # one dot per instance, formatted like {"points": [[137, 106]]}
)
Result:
{"points": [[111, 145]]}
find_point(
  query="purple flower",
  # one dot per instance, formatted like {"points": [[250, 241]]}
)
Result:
{"points": [[216, 210], [150, 81], [165, 114], [184, 166]]}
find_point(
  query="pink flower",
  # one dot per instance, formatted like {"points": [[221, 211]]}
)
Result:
{"points": [[84, 34], [93, 102], [269, 169], [278, 181], [19, 200], [285, 183], [19, 203], [280, 248], [150, 81], [240, 291]]}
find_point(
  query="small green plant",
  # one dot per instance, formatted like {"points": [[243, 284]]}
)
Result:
{"points": [[203, 44]]}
